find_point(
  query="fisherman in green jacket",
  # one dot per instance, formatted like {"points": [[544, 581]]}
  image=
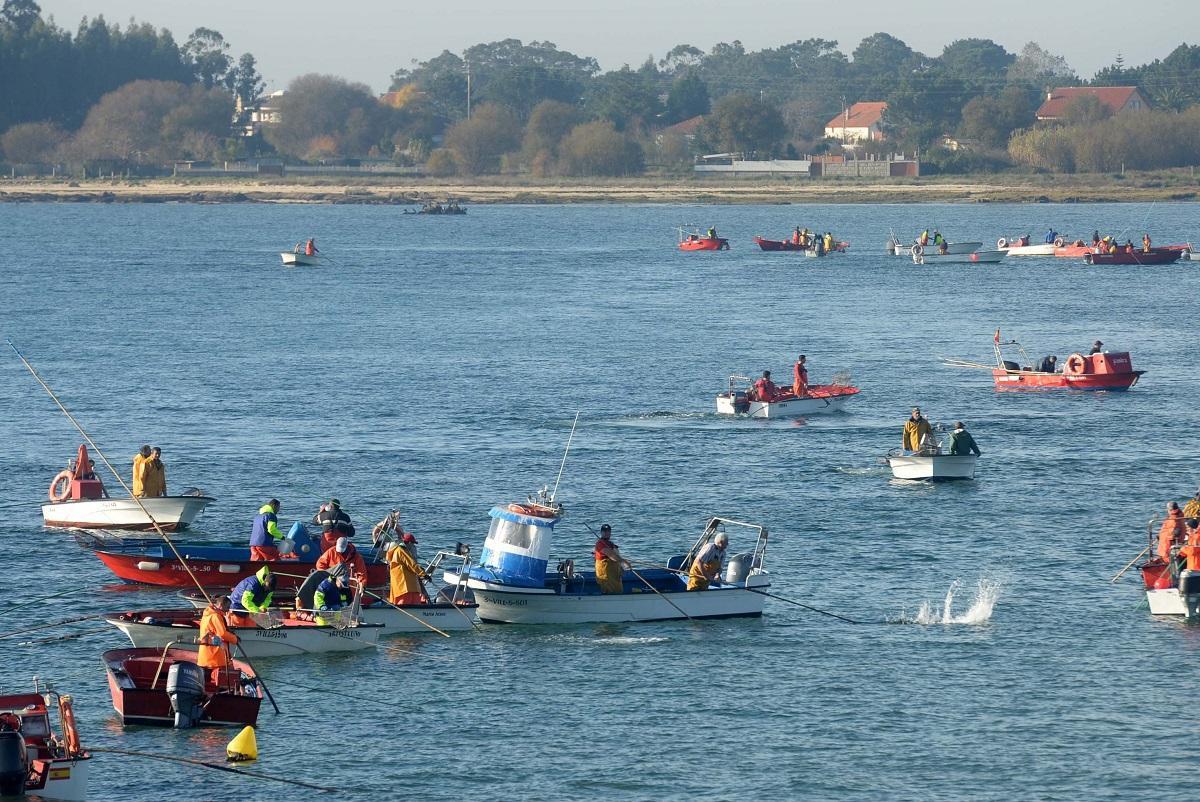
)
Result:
{"points": [[961, 441]]}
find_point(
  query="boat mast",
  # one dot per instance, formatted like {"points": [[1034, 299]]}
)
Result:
{"points": [[566, 451]]}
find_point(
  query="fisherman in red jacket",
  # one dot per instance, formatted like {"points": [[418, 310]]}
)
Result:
{"points": [[310, 247], [800, 377], [765, 389]]}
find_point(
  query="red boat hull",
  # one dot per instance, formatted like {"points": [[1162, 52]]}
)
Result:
{"points": [[1156, 256], [705, 244], [788, 245], [1032, 380], [214, 573], [131, 672]]}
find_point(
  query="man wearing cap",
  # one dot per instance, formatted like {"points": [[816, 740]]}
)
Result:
{"points": [[1097, 347], [961, 441], [343, 551], [610, 566], [265, 534], [916, 432], [706, 568], [334, 523], [404, 573]]}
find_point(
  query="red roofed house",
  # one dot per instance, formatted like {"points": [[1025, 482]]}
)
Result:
{"points": [[687, 129], [1116, 98], [862, 121]]}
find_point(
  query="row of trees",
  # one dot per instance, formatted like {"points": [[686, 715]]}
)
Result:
{"points": [[1149, 141]]}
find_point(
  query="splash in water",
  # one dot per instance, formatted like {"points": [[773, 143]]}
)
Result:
{"points": [[987, 591]]}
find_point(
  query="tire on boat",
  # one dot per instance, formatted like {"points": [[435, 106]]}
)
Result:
{"points": [[916, 250], [1059, 242], [1001, 243]]}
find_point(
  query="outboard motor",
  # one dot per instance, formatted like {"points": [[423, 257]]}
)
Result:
{"points": [[14, 767], [738, 568], [185, 687], [741, 404], [1189, 588]]}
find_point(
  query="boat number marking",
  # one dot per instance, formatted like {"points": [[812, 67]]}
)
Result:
{"points": [[270, 633], [506, 602], [349, 634]]}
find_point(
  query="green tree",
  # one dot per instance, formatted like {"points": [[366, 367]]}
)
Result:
{"points": [[21, 15], [32, 143], [209, 53], [599, 149], [247, 83], [521, 88], [1085, 110], [1037, 68], [548, 124], [622, 96], [324, 113], [740, 123], [478, 143], [688, 97], [980, 62], [681, 58]]}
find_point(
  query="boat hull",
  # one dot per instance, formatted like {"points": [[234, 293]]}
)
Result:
{"points": [[900, 249], [300, 260], [819, 400], [255, 642], [1034, 380], [1157, 256], [788, 245], [940, 467], [975, 257], [171, 513], [499, 604], [705, 244], [1041, 249], [136, 702], [403, 621]]}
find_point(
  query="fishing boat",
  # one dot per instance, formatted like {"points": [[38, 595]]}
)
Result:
{"points": [[819, 398], [165, 688], [293, 259], [78, 500], [690, 239], [930, 256], [897, 248], [1107, 370], [789, 245], [1155, 256], [217, 565], [436, 208], [34, 759], [513, 586], [933, 467], [281, 634], [1021, 246]]}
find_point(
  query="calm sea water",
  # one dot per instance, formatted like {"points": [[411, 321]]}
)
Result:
{"points": [[437, 366]]}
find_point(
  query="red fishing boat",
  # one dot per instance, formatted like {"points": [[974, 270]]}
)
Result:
{"points": [[1106, 370], [165, 688], [791, 245], [693, 240], [1155, 256], [35, 760]]}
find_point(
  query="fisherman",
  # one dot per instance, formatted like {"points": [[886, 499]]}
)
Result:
{"points": [[1191, 510], [610, 566], [943, 248], [828, 242], [1129, 246], [1049, 364], [819, 244], [923, 240], [310, 247], [265, 534], [333, 593], [252, 595], [154, 477], [343, 551], [917, 432], [1024, 240], [139, 471], [334, 523], [800, 377], [1095, 238], [706, 568], [712, 233], [938, 239], [1146, 243], [1051, 235], [1112, 247], [215, 638], [961, 441], [796, 236], [1171, 532], [765, 389], [1097, 348], [404, 574], [1190, 553]]}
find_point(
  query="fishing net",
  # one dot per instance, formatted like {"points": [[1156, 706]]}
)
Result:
{"points": [[841, 378]]}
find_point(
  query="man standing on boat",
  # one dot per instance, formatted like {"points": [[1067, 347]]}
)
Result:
{"points": [[343, 551], [916, 432], [706, 568], [1172, 531], [404, 574], [610, 566], [265, 535], [1146, 243], [154, 481], [334, 523], [800, 377], [1097, 348], [215, 638], [310, 247], [961, 442], [139, 471]]}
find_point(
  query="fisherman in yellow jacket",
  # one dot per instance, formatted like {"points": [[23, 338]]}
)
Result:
{"points": [[610, 566], [706, 568], [154, 475], [916, 432], [139, 471], [404, 575]]}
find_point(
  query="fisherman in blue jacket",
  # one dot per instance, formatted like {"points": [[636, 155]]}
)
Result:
{"points": [[265, 534], [253, 594], [332, 594]]}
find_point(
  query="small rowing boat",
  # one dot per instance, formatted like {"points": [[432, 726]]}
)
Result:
{"points": [[293, 259], [790, 245], [34, 759], [931, 256], [897, 248], [164, 687], [931, 467]]}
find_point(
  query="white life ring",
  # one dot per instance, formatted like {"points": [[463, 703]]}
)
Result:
{"points": [[1059, 242], [1001, 243], [916, 250]]}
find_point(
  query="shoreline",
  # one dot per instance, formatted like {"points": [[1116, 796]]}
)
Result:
{"points": [[1157, 187]]}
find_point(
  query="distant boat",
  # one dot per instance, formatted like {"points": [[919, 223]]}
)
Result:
{"points": [[1155, 256], [293, 259], [818, 398], [930, 256], [931, 467], [897, 248]]}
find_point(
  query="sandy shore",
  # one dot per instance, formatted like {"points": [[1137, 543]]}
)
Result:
{"points": [[1027, 189]]}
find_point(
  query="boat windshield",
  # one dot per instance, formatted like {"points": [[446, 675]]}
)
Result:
{"points": [[514, 534], [35, 726]]}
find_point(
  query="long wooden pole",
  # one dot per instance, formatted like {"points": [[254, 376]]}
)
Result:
{"points": [[1130, 565]]}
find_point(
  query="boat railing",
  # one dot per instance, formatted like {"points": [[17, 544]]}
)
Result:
{"points": [[718, 524]]}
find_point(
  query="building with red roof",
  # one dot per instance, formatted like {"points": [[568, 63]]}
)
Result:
{"points": [[1116, 98], [862, 121]]}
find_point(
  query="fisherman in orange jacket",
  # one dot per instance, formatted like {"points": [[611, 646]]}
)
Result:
{"points": [[343, 551], [215, 638], [800, 377], [310, 247], [1171, 531], [765, 389]]}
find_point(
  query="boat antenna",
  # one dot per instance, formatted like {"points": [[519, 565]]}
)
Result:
{"points": [[566, 451], [161, 532]]}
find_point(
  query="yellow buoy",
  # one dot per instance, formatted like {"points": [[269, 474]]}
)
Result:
{"points": [[244, 746]]}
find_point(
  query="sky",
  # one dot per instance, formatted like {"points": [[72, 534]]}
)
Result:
{"points": [[367, 40]]}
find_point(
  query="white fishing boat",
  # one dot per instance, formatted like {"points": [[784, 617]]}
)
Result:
{"points": [[171, 512], [897, 248], [930, 256], [931, 467], [512, 584], [293, 259], [281, 636], [1168, 589], [818, 398], [1018, 246]]}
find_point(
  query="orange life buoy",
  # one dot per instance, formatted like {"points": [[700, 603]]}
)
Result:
{"points": [[66, 714], [63, 477], [1075, 364]]}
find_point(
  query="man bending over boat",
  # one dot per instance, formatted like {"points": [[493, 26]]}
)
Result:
{"points": [[253, 595], [961, 441], [332, 594], [215, 638], [706, 568], [610, 566], [343, 551], [917, 432], [265, 534]]}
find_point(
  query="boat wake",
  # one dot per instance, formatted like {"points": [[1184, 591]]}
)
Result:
{"points": [[628, 641], [987, 592]]}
